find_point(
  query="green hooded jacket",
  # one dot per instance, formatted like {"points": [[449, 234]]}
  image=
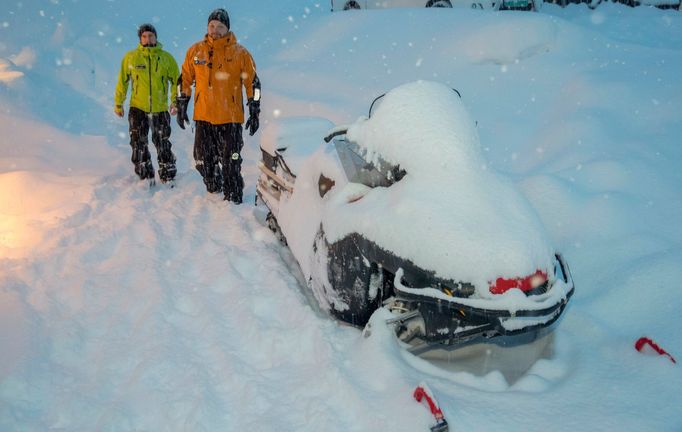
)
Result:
{"points": [[151, 70]]}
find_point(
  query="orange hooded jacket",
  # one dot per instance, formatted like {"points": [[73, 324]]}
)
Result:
{"points": [[218, 68]]}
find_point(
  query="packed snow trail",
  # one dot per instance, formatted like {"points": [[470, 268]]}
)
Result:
{"points": [[170, 307]]}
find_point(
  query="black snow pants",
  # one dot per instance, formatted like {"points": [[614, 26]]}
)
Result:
{"points": [[161, 130], [217, 158]]}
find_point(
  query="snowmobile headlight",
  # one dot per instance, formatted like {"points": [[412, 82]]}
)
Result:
{"points": [[526, 284], [537, 279]]}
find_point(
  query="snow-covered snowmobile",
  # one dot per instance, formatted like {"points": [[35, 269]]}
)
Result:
{"points": [[399, 210]]}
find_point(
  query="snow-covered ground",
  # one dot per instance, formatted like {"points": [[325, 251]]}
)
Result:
{"points": [[128, 309]]}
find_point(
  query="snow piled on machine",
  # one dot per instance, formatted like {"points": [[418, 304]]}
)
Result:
{"points": [[451, 212], [295, 137], [308, 156]]}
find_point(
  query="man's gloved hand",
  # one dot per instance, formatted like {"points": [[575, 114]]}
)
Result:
{"points": [[254, 112], [118, 110], [182, 101]]}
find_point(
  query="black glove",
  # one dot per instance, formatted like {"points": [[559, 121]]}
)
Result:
{"points": [[254, 112], [182, 101]]}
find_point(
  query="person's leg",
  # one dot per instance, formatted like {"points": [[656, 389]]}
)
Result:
{"points": [[205, 156], [231, 143], [139, 128], [161, 131]]}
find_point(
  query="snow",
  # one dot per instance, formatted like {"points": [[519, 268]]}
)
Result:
{"points": [[301, 214], [459, 211], [8, 71], [295, 138], [123, 308]]}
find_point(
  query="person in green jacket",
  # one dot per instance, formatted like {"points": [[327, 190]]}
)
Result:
{"points": [[152, 72]]}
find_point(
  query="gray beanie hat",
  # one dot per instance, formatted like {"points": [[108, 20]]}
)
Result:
{"points": [[220, 15]]}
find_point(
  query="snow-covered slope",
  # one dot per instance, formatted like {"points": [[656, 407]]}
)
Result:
{"points": [[128, 309]]}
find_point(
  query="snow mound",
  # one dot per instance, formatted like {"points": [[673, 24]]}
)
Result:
{"points": [[295, 137], [524, 37], [451, 212], [30, 145]]}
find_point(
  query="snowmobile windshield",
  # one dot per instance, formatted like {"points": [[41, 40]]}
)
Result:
{"points": [[359, 170]]}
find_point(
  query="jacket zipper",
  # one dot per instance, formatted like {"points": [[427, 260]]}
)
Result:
{"points": [[210, 66], [149, 60]]}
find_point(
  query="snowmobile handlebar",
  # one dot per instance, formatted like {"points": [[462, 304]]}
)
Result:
{"points": [[335, 133]]}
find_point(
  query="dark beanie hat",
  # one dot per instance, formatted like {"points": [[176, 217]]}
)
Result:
{"points": [[145, 28], [220, 15]]}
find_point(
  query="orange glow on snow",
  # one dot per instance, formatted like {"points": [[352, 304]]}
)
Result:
{"points": [[32, 205], [16, 233]]}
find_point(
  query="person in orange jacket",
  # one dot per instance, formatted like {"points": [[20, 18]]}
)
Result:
{"points": [[220, 70]]}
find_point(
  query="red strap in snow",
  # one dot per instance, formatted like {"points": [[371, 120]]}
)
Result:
{"points": [[421, 393], [641, 342]]}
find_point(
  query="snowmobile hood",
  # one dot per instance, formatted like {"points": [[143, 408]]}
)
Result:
{"points": [[451, 213], [422, 126]]}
